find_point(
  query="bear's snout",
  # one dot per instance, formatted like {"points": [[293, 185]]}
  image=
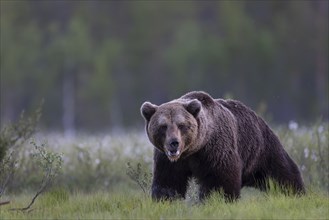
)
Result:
{"points": [[172, 149], [174, 144]]}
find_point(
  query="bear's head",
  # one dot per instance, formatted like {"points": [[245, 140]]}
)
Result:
{"points": [[172, 127]]}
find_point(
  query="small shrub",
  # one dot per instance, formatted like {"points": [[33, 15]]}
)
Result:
{"points": [[139, 176], [50, 164], [12, 138]]}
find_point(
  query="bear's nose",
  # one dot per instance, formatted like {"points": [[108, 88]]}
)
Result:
{"points": [[174, 144]]}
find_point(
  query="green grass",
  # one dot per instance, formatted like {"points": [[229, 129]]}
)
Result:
{"points": [[132, 205]]}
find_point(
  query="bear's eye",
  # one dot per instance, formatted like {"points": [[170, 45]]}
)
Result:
{"points": [[182, 126], [163, 128]]}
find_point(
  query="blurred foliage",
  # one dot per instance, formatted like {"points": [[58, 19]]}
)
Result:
{"points": [[101, 163], [309, 148], [95, 62]]}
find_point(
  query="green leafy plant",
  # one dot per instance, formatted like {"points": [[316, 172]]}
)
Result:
{"points": [[50, 164], [139, 176], [12, 138]]}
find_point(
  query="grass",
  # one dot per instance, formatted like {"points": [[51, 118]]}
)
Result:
{"points": [[59, 204]]}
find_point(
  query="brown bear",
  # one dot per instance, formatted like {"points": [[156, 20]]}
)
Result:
{"points": [[222, 143]]}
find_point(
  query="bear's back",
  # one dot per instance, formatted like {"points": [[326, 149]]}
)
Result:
{"points": [[237, 108], [252, 132]]}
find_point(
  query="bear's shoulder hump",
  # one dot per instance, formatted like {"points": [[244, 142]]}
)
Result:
{"points": [[203, 97]]}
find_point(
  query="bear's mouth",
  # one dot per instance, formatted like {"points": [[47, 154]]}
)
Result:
{"points": [[173, 155]]}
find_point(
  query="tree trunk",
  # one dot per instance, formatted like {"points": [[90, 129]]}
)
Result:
{"points": [[68, 119], [321, 79]]}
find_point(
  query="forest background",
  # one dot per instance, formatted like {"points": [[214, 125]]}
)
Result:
{"points": [[95, 62]]}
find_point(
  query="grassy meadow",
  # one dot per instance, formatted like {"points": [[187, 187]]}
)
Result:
{"points": [[108, 177], [59, 205]]}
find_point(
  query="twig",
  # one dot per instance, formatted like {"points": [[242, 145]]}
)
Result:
{"points": [[32, 201], [45, 182], [4, 203]]}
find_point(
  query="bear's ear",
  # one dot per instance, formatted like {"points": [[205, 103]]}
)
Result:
{"points": [[147, 110], [193, 107]]}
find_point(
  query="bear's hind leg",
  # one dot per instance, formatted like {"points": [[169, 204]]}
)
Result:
{"points": [[228, 182], [231, 193], [257, 180], [288, 176]]}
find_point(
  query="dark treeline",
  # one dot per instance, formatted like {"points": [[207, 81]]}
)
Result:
{"points": [[95, 62]]}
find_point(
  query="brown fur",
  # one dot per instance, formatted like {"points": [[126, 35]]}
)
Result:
{"points": [[222, 143]]}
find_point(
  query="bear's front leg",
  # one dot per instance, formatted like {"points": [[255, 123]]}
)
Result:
{"points": [[231, 190], [169, 178], [227, 179]]}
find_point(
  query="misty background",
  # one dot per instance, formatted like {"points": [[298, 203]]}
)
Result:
{"points": [[95, 62]]}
